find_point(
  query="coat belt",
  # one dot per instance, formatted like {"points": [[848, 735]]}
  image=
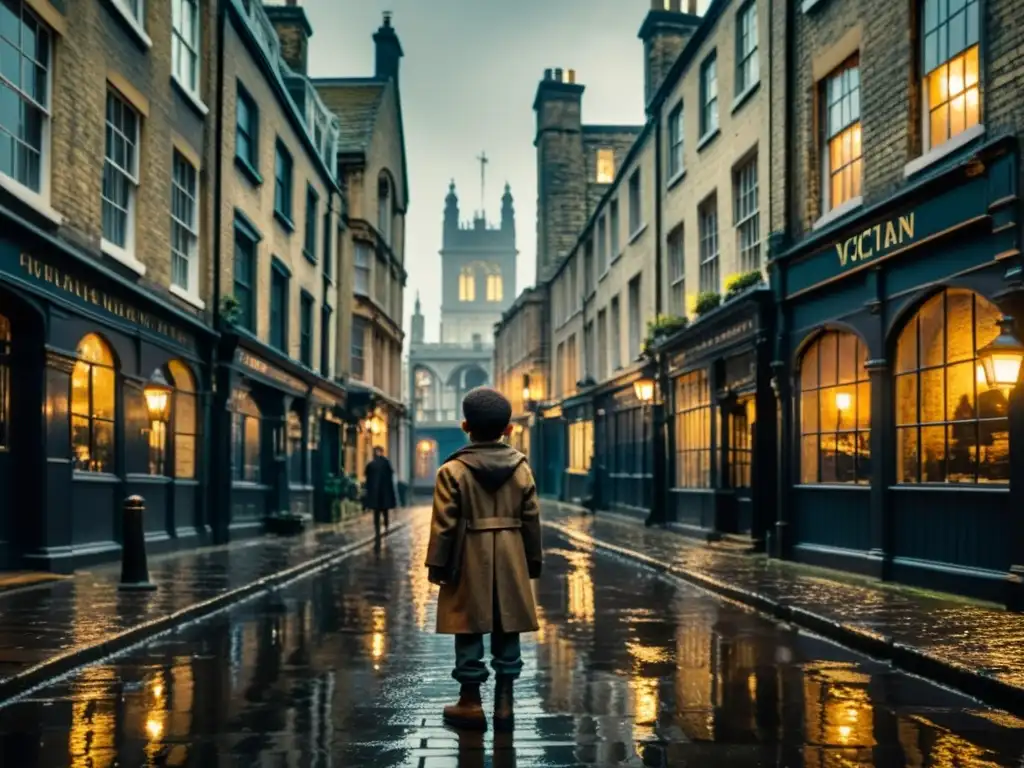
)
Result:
{"points": [[495, 524]]}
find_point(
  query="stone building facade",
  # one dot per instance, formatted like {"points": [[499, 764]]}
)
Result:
{"points": [[575, 164], [372, 170], [478, 278], [520, 352]]}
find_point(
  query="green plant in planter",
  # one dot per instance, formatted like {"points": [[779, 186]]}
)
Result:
{"points": [[661, 327], [706, 301], [739, 283], [230, 309]]}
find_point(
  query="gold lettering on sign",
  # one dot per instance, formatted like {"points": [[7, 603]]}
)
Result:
{"points": [[870, 243], [46, 273], [253, 363]]}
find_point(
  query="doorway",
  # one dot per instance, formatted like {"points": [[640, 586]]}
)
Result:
{"points": [[742, 424]]}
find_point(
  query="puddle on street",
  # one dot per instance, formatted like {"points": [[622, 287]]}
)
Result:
{"points": [[344, 670]]}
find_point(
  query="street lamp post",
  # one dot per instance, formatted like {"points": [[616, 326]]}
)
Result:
{"points": [[1000, 362], [645, 389]]}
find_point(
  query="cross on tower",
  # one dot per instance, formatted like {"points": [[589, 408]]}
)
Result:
{"points": [[482, 158]]}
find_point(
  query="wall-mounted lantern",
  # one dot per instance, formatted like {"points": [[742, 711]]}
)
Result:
{"points": [[1001, 358], [158, 397], [643, 388]]}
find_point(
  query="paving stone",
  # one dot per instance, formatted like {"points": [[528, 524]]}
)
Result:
{"points": [[343, 669]]}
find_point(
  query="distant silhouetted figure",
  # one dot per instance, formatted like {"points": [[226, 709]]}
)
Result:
{"points": [[485, 547], [379, 492]]}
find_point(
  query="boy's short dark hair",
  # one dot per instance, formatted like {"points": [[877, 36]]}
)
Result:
{"points": [[487, 412]]}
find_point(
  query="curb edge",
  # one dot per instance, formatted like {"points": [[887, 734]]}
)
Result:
{"points": [[49, 670], [970, 682]]}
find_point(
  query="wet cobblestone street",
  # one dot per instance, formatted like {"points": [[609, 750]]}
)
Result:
{"points": [[343, 669]]}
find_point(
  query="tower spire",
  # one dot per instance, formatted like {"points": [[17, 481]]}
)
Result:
{"points": [[483, 160]]}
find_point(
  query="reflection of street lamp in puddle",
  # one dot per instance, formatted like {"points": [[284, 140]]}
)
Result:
{"points": [[377, 643]]}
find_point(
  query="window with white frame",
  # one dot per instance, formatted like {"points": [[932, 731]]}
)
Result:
{"points": [[614, 239], [842, 155], [748, 225], [25, 46], [602, 246], [709, 95], [675, 141], [185, 44], [708, 217], [747, 68], [635, 208], [634, 329], [362, 267], [952, 95], [184, 224], [136, 8], [120, 173], [676, 273], [615, 335]]}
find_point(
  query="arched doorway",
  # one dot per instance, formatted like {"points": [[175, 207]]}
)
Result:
{"points": [[462, 380]]}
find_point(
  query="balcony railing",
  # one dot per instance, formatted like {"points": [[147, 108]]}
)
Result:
{"points": [[322, 125]]}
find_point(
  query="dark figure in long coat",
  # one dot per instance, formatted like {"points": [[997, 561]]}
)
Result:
{"points": [[379, 490]]}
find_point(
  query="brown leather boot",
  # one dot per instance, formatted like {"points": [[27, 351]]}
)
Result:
{"points": [[504, 719], [469, 712]]}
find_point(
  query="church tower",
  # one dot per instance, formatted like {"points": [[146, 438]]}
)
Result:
{"points": [[417, 322], [478, 268]]}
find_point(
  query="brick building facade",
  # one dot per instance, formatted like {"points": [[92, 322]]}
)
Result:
{"points": [[895, 259], [169, 276]]}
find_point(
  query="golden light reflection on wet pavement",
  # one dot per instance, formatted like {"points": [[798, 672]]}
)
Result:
{"points": [[627, 669]]}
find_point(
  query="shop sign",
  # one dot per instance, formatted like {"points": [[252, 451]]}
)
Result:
{"points": [[324, 397], [876, 241], [263, 368], [84, 292], [714, 341]]}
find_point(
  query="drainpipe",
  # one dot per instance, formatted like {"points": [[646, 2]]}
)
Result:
{"points": [[219, 489], [659, 475]]}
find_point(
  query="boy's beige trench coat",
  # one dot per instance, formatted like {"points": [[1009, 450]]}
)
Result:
{"points": [[492, 485]]}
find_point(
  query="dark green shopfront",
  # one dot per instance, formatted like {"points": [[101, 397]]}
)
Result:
{"points": [[895, 441], [107, 391], [860, 413]]}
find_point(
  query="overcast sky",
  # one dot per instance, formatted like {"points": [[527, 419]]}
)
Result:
{"points": [[468, 79]]}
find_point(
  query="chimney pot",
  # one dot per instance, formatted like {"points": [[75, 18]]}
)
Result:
{"points": [[558, 74], [547, 73], [292, 2], [387, 15], [572, 75]]}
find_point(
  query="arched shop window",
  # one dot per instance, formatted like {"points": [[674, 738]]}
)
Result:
{"points": [[835, 411], [951, 426], [93, 395], [245, 438], [185, 418], [296, 447]]}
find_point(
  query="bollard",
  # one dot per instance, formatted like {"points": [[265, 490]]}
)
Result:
{"points": [[134, 570]]}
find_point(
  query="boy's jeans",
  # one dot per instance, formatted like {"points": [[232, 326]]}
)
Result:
{"points": [[506, 658]]}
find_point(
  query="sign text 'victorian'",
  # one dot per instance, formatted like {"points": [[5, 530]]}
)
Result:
{"points": [[876, 241]]}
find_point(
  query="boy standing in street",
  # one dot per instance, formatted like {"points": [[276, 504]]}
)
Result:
{"points": [[485, 547]]}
